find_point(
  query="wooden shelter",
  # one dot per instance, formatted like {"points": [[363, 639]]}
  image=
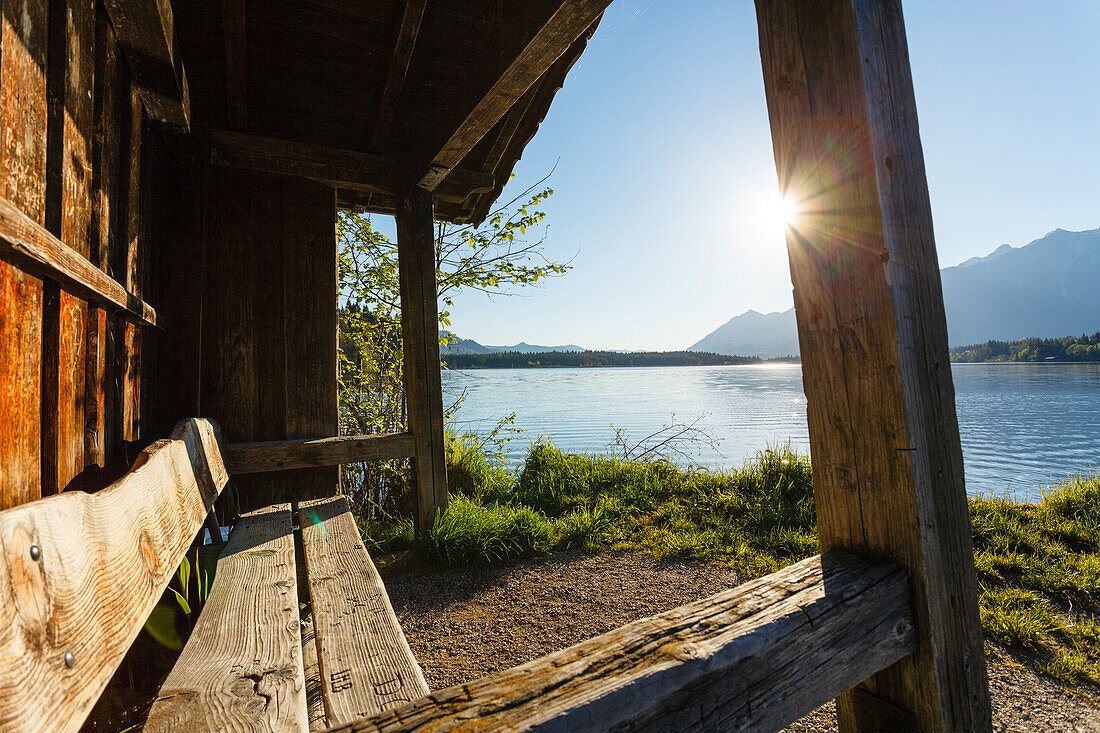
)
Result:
{"points": [[169, 181]]}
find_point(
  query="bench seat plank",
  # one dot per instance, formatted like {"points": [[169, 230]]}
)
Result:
{"points": [[366, 664], [242, 667]]}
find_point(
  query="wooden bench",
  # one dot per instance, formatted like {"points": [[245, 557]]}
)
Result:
{"points": [[243, 661], [85, 571]]}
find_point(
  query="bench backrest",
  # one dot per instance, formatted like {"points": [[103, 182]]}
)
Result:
{"points": [[83, 571]]}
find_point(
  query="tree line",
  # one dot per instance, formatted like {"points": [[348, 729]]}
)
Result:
{"points": [[518, 360], [1067, 348]]}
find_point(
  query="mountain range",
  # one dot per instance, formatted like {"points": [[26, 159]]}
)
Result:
{"points": [[469, 346], [1047, 288]]}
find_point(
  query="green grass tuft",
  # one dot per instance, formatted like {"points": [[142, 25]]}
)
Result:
{"points": [[468, 533]]}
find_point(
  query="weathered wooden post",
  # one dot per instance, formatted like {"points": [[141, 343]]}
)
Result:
{"points": [[888, 473], [420, 347]]}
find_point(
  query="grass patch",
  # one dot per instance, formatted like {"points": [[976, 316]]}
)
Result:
{"points": [[1039, 576], [1038, 565]]}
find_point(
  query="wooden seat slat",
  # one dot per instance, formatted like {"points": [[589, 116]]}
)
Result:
{"points": [[242, 666], [366, 664], [71, 606]]}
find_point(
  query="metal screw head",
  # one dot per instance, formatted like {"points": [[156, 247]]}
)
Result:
{"points": [[70, 660], [35, 553]]}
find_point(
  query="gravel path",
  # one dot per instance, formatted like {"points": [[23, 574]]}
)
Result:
{"points": [[467, 623]]}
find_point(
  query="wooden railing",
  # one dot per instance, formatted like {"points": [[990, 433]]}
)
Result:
{"points": [[279, 455], [756, 657], [36, 251]]}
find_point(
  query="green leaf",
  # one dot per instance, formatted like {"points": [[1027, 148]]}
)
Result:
{"points": [[184, 573], [183, 602]]}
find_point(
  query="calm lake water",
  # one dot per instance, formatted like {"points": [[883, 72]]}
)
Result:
{"points": [[1022, 425]]}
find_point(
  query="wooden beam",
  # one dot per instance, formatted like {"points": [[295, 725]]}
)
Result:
{"points": [[85, 570], [245, 651], [569, 21], [31, 248], [511, 125], [366, 664], [345, 169], [399, 67], [280, 455], [146, 35], [756, 657], [420, 349], [884, 438]]}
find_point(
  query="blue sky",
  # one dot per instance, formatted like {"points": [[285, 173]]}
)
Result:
{"points": [[664, 167]]}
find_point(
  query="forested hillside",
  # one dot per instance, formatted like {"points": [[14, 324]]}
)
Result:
{"points": [[1067, 348]]}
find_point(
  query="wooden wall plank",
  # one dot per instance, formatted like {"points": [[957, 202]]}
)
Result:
{"points": [[888, 475], [100, 563], [420, 351], [69, 206], [103, 177], [753, 658], [241, 669], [130, 336], [309, 326], [229, 375], [269, 321], [23, 51], [367, 666]]}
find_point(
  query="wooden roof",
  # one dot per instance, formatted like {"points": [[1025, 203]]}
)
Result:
{"points": [[375, 96]]}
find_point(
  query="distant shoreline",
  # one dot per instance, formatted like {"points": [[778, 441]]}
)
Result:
{"points": [[600, 360]]}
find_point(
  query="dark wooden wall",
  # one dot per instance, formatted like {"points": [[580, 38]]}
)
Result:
{"points": [[268, 336], [71, 134]]}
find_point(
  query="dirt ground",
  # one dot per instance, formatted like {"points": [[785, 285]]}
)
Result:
{"points": [[463, 624]]}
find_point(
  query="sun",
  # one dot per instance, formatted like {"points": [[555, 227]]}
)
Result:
{"points": [[780, 212], [787, 210]]}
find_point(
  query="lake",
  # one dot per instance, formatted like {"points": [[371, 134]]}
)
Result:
{"points": [[1022, 425]]}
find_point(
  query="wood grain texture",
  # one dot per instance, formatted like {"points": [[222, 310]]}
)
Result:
{"points": [[512, 122], [269, 321], [279, 455], [100, 440], [23, 43], [420, 352], [888, 474], [752, 658], [146, 34], [132, 269], [366, 663], [310, 325], [342, 169], [569, 21], [105, 559], [37, 251], [69, 205], [241, 669]]}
